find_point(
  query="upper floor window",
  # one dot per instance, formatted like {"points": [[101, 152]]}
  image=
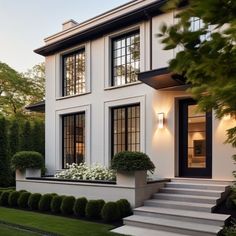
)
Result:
{"points": [[74, 73], [125, 58], [196, 24]]}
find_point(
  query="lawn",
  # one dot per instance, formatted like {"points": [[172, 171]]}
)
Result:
{"points": [[49, 223]]}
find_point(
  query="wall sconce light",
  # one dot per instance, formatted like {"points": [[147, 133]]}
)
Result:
{"points": [[160, 120], [227, 117]]}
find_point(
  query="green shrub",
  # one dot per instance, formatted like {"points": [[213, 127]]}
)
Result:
{"points": [[33, 201], [230, 201], [56, 204], [13, 198], [4, 198], [23, 199], [67, 205], [132, 161], [80, 206], [27, 159], [45, 202], [124, 208], [93, 209], [110, 212]]}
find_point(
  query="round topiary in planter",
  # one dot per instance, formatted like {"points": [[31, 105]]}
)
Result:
{"points": [[13, 198], [33, 201], [4, 198], [131, 168], [45, 202], [124, 208], [67, 205], [56, 204], [94, 208], [23, 199], [27, 164], [80, 206], [110, 212]]}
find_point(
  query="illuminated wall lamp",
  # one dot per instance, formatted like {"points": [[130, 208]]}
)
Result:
{"points": [[160, 120], [227, 117]]}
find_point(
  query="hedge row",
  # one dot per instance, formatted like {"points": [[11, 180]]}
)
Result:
{"points": [[67, 205]]}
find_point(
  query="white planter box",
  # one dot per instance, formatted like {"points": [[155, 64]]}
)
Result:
{"points": [[29, 172], [131, 178]]}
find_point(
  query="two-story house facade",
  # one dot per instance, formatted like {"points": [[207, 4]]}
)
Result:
{"points": [[108, 89]]}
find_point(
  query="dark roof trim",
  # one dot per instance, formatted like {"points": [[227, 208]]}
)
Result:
{"points": [[124, 20], [36, 107]]}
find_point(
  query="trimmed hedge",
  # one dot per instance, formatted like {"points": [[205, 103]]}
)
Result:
{"points": [[23, 199], [124, 208], [33, 201], [110, 212], [132, 161], [55, 205], [4, 198], [80, 206], [13, 198], [230, 204], [93, 209], [27, 159], [67, 205], [45, 202]]}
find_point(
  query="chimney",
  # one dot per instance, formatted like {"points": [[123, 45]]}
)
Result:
{"points": [[69, 24]]}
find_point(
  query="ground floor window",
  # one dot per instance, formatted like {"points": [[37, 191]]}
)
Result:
{"points": [[125, 128], [73, 128]]}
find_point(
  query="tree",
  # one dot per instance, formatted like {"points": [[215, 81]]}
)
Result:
{"points": [[14, 137], [38, 137], [208, 63], [26, 138], [5, 173]]}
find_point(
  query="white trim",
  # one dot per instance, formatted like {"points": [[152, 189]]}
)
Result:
{"points": [[107, 123], [58, 135]]}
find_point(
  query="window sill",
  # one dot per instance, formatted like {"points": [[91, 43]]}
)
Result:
{"points": [[122, 86], [72, 96]]}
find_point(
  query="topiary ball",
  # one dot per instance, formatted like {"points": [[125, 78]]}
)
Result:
{"points": [[23, 199], [124, 208], [13, 198], [4, 198], [110, 212], [80, 206], [56, 204], [33, 201], [93, 209], [45, 202], [67, 205]]}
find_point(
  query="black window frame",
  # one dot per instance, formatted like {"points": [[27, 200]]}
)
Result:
{"points": [[125, 35], [126, 107], [74, 138], [64, 85]]}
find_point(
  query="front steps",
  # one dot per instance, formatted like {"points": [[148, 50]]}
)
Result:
{"points": [[183, 207]]}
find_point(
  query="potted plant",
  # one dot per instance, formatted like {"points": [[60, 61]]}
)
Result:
{"points": [[27, 164], [131, 168]]}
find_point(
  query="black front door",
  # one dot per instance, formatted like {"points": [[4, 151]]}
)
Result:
{"points": [[195, 140]]}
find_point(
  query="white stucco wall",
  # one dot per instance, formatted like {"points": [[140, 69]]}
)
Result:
{"points": [[160, 145]]}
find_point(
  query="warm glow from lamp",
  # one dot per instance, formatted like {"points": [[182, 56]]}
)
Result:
{"points": [[160, 120], [227, 117]]}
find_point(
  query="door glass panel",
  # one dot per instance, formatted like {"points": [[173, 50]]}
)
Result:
{"points": [[196, 138]]}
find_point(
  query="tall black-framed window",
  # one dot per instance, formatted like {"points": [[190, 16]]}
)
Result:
{"points": [[125, 122], [74, 73], [125, 58], [73, 143]]}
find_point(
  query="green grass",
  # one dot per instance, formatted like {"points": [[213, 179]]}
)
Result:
{"points": [[54, 224], [9, 188], [8, 231]]}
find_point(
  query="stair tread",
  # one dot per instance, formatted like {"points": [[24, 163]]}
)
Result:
{"points": [[185, 213], [186, 196], [194, 190], [174, 223], [138, 231], [197, 184], [181, 203]]}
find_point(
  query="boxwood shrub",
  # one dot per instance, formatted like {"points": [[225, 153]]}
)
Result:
{"points": [[111, 212], [23, 199], [124, 208], [132, 161], [230, 204], [13, 198], [80, 206], [45, 202], [56, 204], [93, 209], [33, 201], [67, 205], [27, 159], [4, 198]]}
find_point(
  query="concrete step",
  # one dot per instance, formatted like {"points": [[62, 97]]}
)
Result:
{"points": [[195, 192], [175, 226], [182, 215], [137, 231], [196, 186], [180, 205], [201, 181], [186, 198]]}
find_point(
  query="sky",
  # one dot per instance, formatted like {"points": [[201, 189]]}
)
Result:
{"points": [[25, 23]]}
